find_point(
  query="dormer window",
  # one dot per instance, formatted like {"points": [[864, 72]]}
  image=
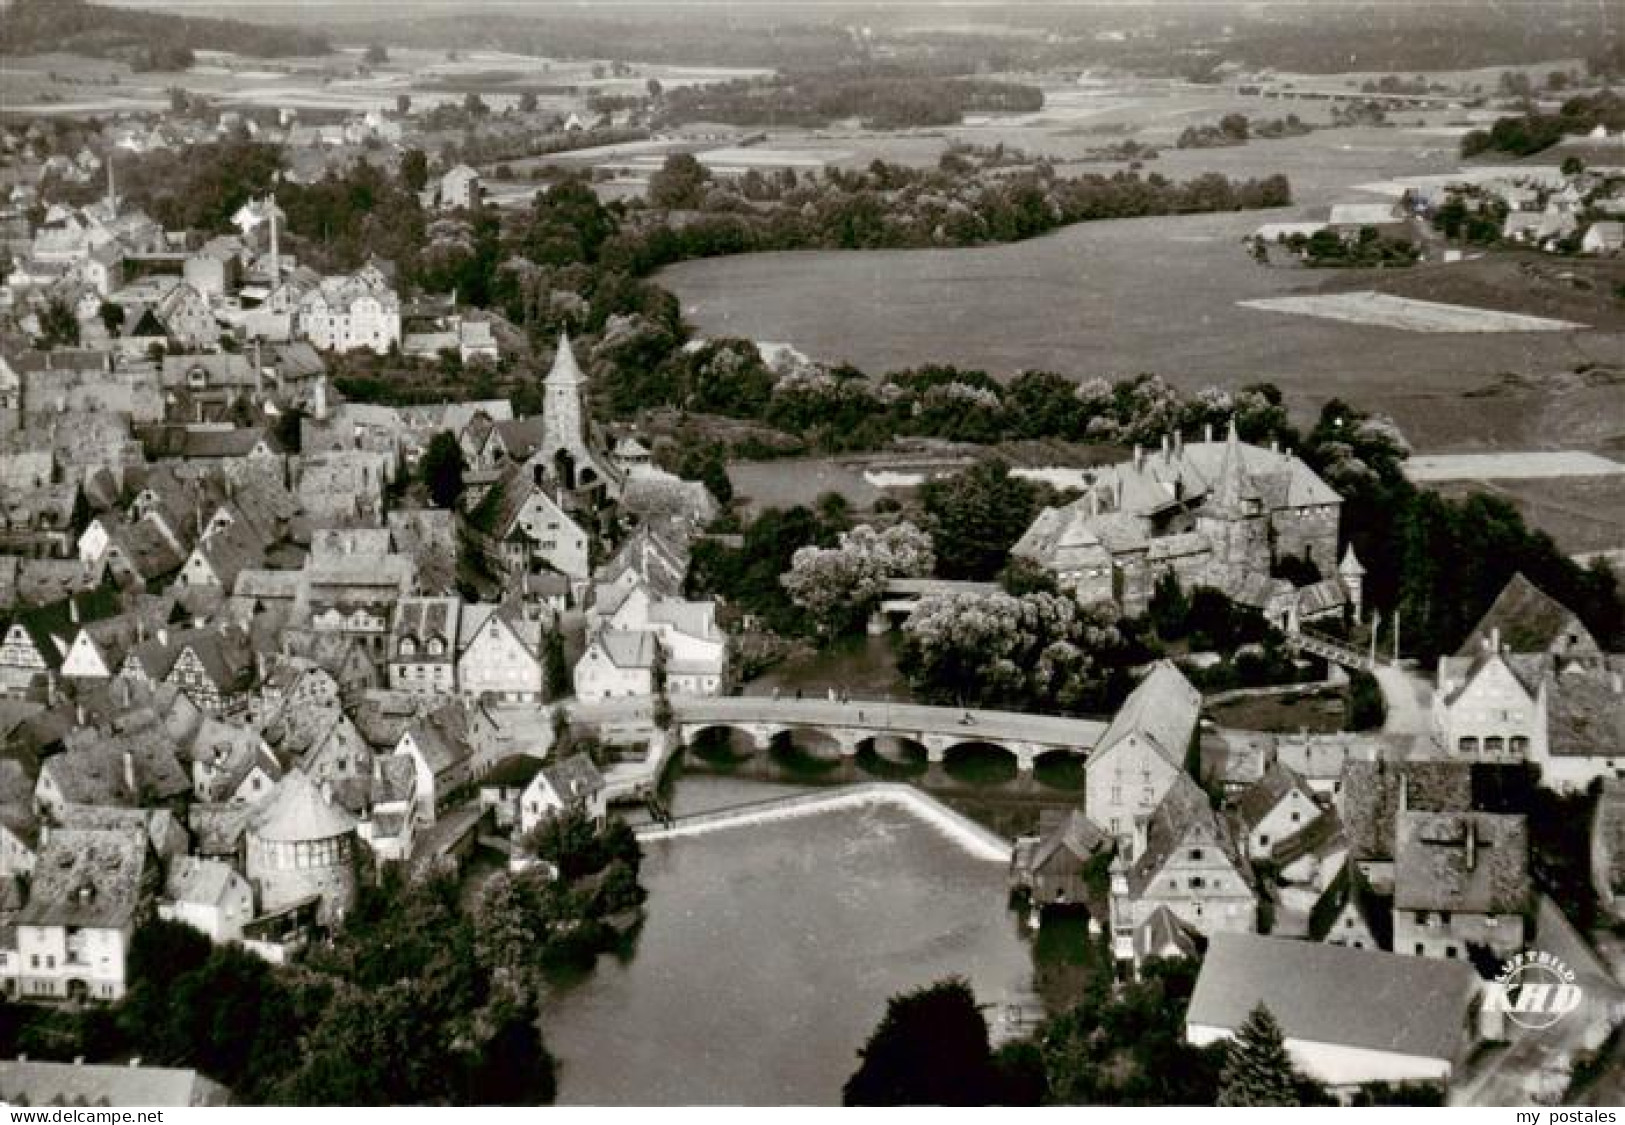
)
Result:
{"points": [[409, 647], [436, 646]]}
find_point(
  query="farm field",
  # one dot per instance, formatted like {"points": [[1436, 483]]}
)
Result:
{"points": [[1406, 314], [1510, 466], [1149, 295]]}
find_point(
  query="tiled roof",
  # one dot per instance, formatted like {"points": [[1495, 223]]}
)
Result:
{"points": [[1467, 862], [1413, 1006], [1163, 706], [87, 877], [203, 882], [1527, 619], [25, 1082], [297, 812], [574, 778], [1185, 817], [1373, 791], [1260, 799]]}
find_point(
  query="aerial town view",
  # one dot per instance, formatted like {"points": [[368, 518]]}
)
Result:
{"points": [[756, 553]]}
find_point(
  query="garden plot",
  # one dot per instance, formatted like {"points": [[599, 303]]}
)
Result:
{"points": [[1407, 314]]}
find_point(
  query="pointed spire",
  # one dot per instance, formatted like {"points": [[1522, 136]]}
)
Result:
{"points": [[1232, 488], [1351, 563], [565, 369]]}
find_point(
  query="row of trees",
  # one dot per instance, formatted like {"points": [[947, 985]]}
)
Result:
{"points": [[815, 100], [1532, 132]]}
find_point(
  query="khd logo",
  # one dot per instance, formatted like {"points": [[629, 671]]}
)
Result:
{"points": [[1535, 990]]}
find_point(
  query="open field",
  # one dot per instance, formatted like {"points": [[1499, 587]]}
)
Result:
{"points": [[1159, 295], [1407, 314], [1510, 466], [71, 84]]}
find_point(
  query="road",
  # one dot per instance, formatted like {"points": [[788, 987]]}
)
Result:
{"points": [[874, 714], [1409, 700]]}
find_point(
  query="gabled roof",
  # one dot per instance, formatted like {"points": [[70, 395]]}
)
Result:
{"points": [[26, 1082], [1527, 620], [1184, 818], [1261, 798], [573, 778], [565, 371], [1350, 890], [1413, 1006], [1076, 834], [1164, 707], [201, 882]]}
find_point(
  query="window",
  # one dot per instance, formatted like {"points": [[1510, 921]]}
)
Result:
{"points": [[1444, 917], [1263, 841], [1469, 745], [1197, 883], [1494, 744], [1419, 950], [1450, 951], [1422, 918], [1196, 854]]}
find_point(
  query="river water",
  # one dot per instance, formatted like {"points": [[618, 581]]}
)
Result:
{"points": [[768, 955]]}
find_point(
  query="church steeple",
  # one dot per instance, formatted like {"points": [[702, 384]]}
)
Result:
{"points": [[566, 372]]}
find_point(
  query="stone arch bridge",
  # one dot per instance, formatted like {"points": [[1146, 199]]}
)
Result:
{"points": [[856, 723]]}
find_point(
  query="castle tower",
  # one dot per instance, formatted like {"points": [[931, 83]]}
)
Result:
{"points": [[1233, 517], [300, 844], [1353, 576]]}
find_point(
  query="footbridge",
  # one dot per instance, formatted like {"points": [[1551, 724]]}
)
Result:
{"points": [[1328, 648]]}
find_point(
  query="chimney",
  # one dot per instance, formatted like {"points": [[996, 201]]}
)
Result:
{"points": [[1167, 446], [1179, 443], [1472, 843], [50, 689], [73, 609], [1139, 456], [163, 636], [1207, 431], [1495, 638], [79, 714], [1404, 791], [129, 770], [1275, 445]]}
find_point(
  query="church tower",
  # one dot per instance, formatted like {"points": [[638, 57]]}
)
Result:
{"points": [[565, 458], [1233, 518]]}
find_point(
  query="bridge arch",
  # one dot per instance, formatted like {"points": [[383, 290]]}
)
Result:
{"points": [[981, 762], [722, 740], [806, 748], [1060, 769], [893, 756]]}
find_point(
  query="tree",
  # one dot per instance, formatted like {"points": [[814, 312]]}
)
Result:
{"points": [[839, 586], [1257, 1069], [58, 326], [528, 102], [375, 55], [976, 516], [931, 1048], [679, 185], [415, 169], [474, 105], [555, 668], [443, 468], [654, 87], [403, 104]]}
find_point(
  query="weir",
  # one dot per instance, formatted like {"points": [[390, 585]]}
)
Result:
{"points": [[976, 840]]}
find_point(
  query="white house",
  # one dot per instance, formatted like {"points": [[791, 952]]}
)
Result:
{"points": [[573, 781], [500, 655], [1142, 752], [73, 935], [208, 895], [1349, 1016]]}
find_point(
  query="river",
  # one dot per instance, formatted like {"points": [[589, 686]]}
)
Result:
{"points": [[769, 953]]}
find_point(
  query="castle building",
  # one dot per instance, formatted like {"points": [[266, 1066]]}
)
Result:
{"points": [[1211, 513]]}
